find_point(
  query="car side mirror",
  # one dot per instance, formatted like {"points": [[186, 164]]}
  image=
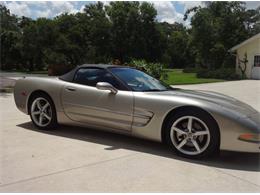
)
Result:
{"points": [[106, 86]]}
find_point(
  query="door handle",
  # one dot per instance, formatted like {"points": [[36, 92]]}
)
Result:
{"points": [[70, 88]]}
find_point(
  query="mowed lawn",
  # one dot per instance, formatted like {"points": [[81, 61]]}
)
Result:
{"points": [[178, 77]]}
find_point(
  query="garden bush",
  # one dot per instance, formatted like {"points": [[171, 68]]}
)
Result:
{"points": [[154, 69], [223, 73]]}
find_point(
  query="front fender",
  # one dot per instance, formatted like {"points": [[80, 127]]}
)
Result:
{"points": [[232, 124]]}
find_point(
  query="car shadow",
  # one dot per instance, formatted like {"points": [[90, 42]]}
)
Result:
{"points": [[226, 159]]}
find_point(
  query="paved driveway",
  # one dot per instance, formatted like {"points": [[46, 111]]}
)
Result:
{"points": [[72, 159]]}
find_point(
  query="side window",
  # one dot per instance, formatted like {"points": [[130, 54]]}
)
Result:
{"points": [[91, 76], [87, 76], [257, 60]]}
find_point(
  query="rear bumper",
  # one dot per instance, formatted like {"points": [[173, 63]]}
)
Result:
{"points": [[20, 98]]}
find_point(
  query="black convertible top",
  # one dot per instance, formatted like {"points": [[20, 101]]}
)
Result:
{"points": [[70, 75]]}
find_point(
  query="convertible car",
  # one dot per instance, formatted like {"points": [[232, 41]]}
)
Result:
{"points": [[125, 100]]}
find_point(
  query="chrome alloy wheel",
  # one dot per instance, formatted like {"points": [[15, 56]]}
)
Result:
{"points": [[190, 135], [41, 112]]}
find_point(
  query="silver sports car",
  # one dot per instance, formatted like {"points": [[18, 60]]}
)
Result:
{"points": [[125, 100]]}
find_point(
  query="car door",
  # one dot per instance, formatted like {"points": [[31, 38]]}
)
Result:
{"points": [[84, 103]]}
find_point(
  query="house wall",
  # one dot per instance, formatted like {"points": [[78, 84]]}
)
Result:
{"points": [[252, 48]]}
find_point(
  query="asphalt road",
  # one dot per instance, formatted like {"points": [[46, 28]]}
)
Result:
{"points": [[72, 159]]}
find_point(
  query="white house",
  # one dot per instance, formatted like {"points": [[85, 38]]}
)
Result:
{"points": [[250, 47]]}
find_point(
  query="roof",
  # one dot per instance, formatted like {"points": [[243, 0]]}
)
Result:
{"points": [[70, 75], [99, 66], [257, 36]]}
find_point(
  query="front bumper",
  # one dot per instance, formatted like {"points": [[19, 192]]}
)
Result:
{"points": [[234, 143], [232, 129]]}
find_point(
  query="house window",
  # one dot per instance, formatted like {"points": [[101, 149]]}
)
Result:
{"points": [[257, 60]]}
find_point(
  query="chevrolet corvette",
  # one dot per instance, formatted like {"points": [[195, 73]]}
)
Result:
{"points": [[125, 100]]}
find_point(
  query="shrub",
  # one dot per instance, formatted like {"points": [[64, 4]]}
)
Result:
{"points": [[223, 73], [154, 69]]}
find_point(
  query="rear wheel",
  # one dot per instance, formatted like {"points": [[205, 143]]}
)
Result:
{"points": [[193, 134], [42, 112]]}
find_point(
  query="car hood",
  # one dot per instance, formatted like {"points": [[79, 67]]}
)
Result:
{"points": [[216, 98]]}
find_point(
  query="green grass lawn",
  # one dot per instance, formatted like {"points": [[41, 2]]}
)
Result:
{"points": [[177, 77]]}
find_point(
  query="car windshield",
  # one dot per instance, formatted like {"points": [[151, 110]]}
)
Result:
{"points": [[138, 80]]}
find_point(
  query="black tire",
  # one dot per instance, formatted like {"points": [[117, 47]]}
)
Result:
{"points": [[52, 124], [213, 146]]}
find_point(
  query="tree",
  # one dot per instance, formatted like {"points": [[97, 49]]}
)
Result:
{"points": [[69, 43], [133, 31], [150, 34], [252, 20], [218, 27], [9, 38], [98, 32], [125, 26], [37, 37], [177, 52], [124, 31]]}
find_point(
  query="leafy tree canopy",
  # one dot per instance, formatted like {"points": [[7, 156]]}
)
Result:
{"points": [[126, 31]]}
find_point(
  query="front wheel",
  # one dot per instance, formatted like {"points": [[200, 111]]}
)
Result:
{"points": [[42, 112], [193, 134]]}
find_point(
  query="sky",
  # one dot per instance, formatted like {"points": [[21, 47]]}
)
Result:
{"points": [[167, 11]]}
